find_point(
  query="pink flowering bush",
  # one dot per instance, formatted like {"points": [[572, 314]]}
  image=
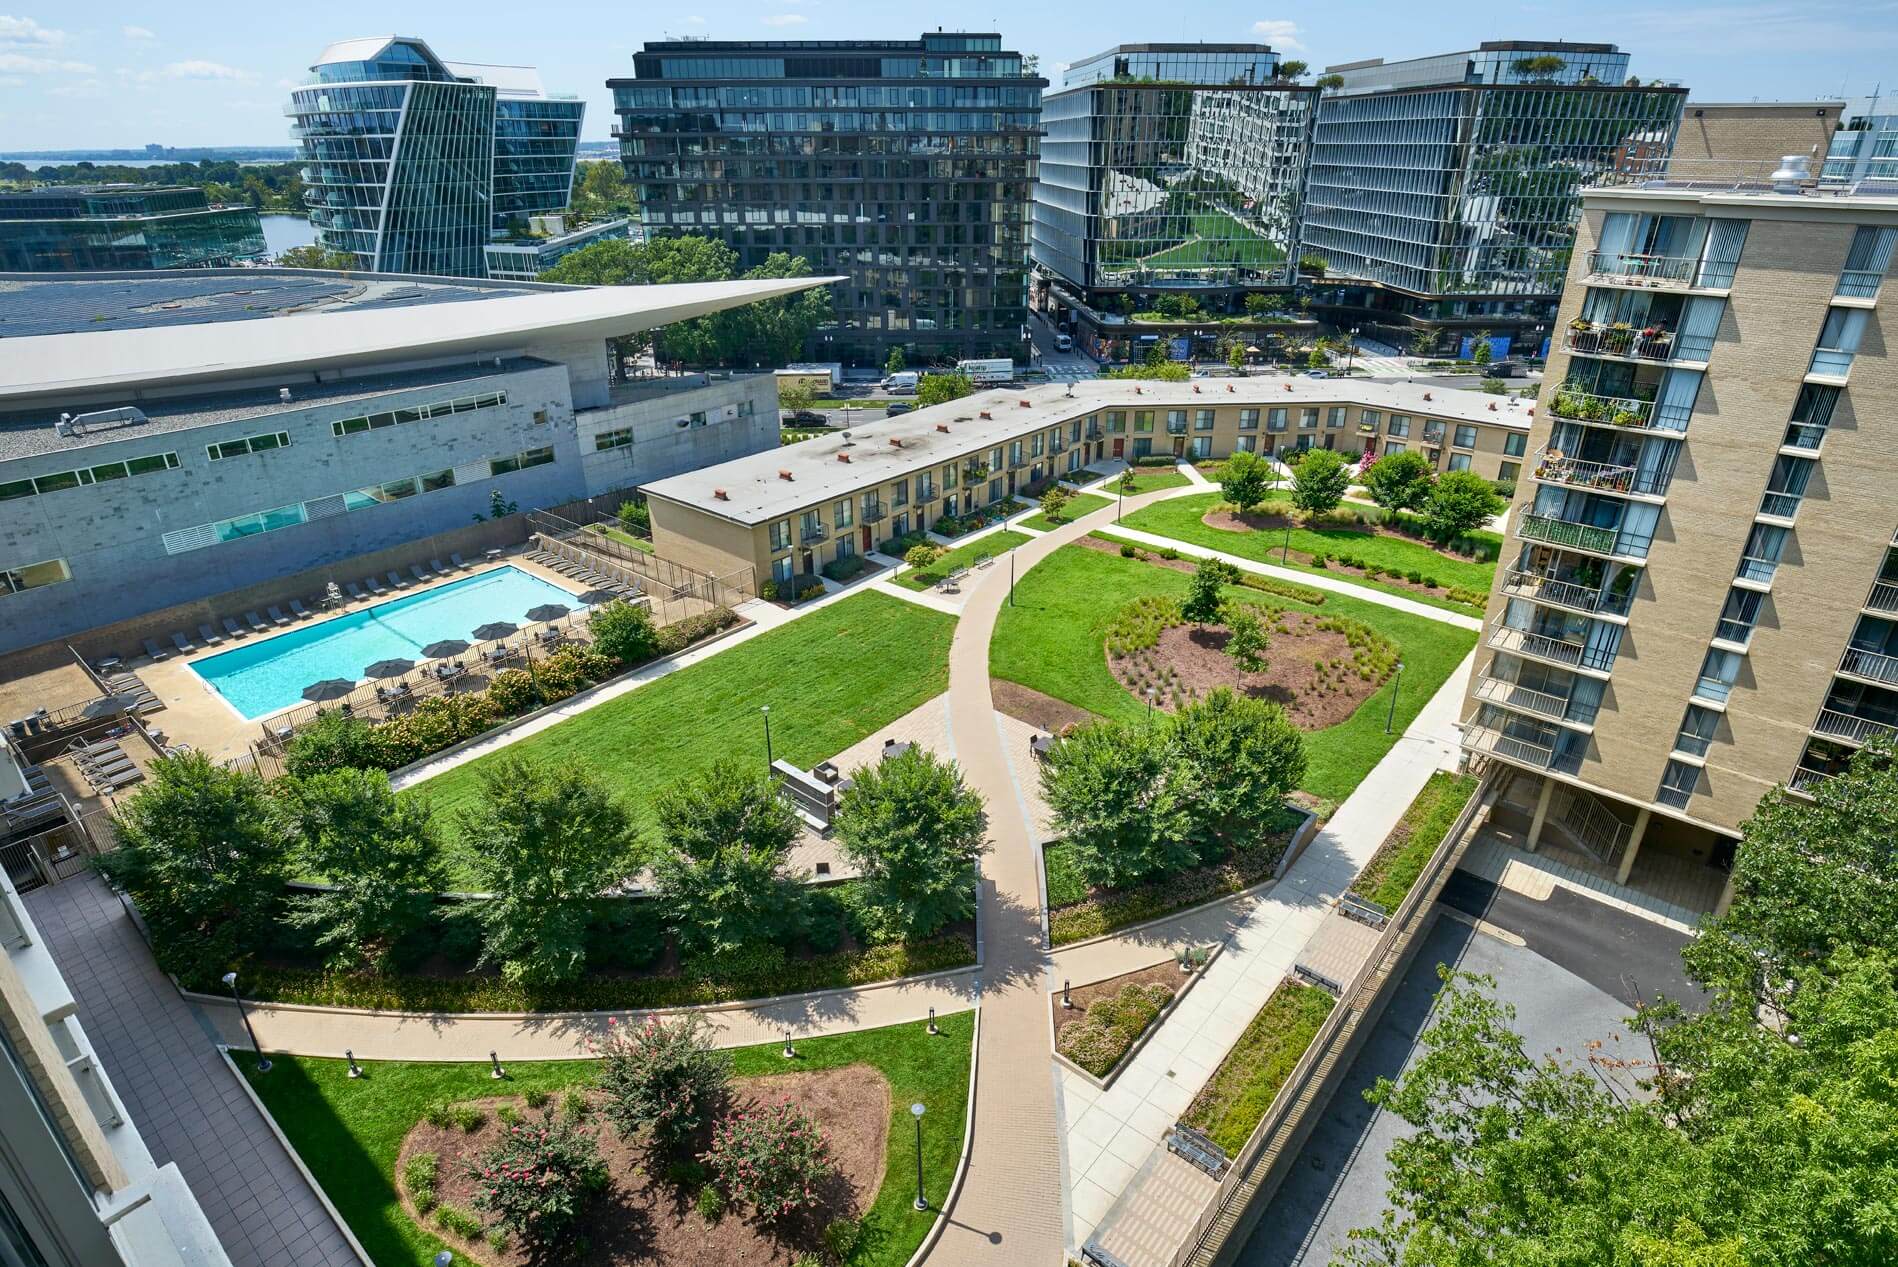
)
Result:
{"points": [[661, 1076], [536, 1180], [771, 1158]]}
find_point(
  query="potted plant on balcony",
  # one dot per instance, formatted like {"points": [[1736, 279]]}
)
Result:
{"points": [[1581, 324], [1629, 418], [1620, 337]]}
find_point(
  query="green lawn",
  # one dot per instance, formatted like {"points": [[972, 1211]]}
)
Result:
{"points": [[831, 678], [1180, 519], [349, 1131], [1078, 505], [1052, 640], [1394, 868], [624, 538], [1236, 1097], [992, 546], [1151, 479], [1218, 239]]}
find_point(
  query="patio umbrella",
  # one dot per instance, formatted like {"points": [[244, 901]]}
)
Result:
{"points": [[328, 688], [389, 668], [446, 647], [593, 598], [548, 611], [106, 706], [495, 629]]}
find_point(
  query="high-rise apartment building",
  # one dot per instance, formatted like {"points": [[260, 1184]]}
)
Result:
{"points": [[1698, 594], [112, 227], [1169, 168], [905, 165], [412, 163], [1444, 190]]}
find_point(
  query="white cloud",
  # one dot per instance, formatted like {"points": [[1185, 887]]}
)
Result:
{"points": [[695, 20], [21, 64], [78, 88], [27, 32], [138, 33], [786, 19], [1280, 33], [198, 69]]}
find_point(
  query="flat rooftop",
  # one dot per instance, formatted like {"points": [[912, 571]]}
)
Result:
{"points": [[756, 492]]}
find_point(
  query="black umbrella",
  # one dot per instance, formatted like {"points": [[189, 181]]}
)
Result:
{"points": [[329, 688], [548, 611], [394, 667], [106, 706], [593, 598], [495, 629], [446, 647]]}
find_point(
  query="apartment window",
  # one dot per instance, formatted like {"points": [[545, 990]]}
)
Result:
{"points": [[1812, 414], [1335, 418], [1116, 420], [1399, 425], [1074, 460], [1459, 461], [1696, 731], [1739, 615], [1308, 420], [1143, 449], [1368, 419], [1508, 472], [1718, 672], [949, 475], [846, 546], [249, 444], [1202, 420], [1760, 559], [1515, 444], [1838, 341], [782, 570], [1866, 262], [1014, 459], [925, 486], [1037, 444], [521, 461], [995, 491], [1275, 419], [1395, 446], [995, 458], [1433, 432], [899, 493], [540, 417], [32, 576], [1202, 446], [1465, 437], [100, 474], [843, 514], [1678, 782], [612, 439], [810, 526], [1248, 444], [1143, 420], [1248, 420], [780, 535], [418, 413], [1176, 422]]}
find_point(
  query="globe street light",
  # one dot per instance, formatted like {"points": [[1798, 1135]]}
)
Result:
{"points": [[916, 1111], [263, 1061], [766, 710]]}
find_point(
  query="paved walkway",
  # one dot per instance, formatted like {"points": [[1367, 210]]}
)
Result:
{"points": [[159, 1052]]}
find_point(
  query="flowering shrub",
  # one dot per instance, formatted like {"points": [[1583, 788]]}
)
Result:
{"points": [[660, 1076], [1098, 1040], [773, 1159], [536, 1179]]}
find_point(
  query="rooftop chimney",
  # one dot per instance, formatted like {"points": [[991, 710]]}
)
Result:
{"points": [[896, 442], [943, 427], [721, 494], [843, 457], [784, 475], [1791, 175]]}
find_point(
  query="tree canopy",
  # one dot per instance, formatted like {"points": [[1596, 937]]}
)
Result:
{"points": [[1319, 481], [937, 389], [1459, 503], [1245, 479], [1399, 481], [723, 836], [914, 831]]}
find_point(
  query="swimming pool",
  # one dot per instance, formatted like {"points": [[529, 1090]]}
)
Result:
{"points": [[272, 673]]}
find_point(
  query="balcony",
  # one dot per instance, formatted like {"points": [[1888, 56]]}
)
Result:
{"points": [[873, 512], [1548, 649], [1780, 505], [1544, 588], [1803, 435], [1606, 477], [1849, 728], [1523, 699], [1179, 428], [1559, 532], [1870, 665], [975, 472], [1650, 344], [813, 532], [1611, 411], [1524, 751], [1859, 283], [1806, 780], [1884, 597], [1092, 433], [1653, 270]]}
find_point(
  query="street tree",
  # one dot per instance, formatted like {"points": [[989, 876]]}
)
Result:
{"points": [[1459, 503], [914, 830], [1399, 481], [1319, 481], [1246, 639], [1246, 479], [939, 389]]}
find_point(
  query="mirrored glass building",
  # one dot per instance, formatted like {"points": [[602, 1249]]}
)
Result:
{"points": [[1444, 190], [905, 165], [413, 164], [73, 227]]}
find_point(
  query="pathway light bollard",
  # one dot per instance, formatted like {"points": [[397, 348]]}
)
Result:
{"points": [[766, 710], [916, 1111], [932, 1022], [1396, 685], [263, 1061], [496, 1072], [355, 1070], [1067, 996], [445, 1259], [790, 1052], [1151, 692]]}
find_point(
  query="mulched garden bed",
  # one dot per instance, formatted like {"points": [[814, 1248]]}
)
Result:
{"points": [[1180, 564], [1099, 1031], [643, 1217], [1167, 974], [1043, 712]]}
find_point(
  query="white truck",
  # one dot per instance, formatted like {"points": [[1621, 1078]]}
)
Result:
{"points": [[988, 372], [902, 383]]}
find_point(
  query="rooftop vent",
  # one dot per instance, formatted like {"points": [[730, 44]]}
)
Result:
{"points": [[896, 442], [943, 427], [1428, 396], [1196, 389], [1492, 406], [1024, 404], [721, 494], [784, 474], [283, 394], [99, 420], [1791, 175], [843, 457], [1231, 388], [986, 414]]}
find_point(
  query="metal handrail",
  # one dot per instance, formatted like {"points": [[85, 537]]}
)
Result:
{"points": [[1617, 411], [1836, 725], [1600, 340], [1522, 642], [1611, 477], [1489, 739], [1511, 695], [1670, 268], [1869, 664], [1542, 588], [1780, 505], [1561, 532], [1884, 597]]}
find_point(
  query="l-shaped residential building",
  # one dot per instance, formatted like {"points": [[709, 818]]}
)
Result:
{"points": [[788, 512]]}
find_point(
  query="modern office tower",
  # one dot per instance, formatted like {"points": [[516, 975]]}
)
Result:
{"points": [[412, 163], [1444, 190], [1169, 168], [1698, 593], [1866, 148], [905, 165], [111, 227]]}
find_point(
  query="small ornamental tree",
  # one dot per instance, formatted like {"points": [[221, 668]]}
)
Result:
{"points": [[1461, 502], [1127, 484], [1399, 481], [1246, 479], [922, 556], [661, 1077], [1054, 501], [1203, 600], [635, 518], [624, 631], [1316, 359], [536, 1181], [1246, 639], [723, 835], [773, 1159], [914, 830], [795, 396], [1107, 789], [1319, 481], [895, 363], [1236, 356], [1481, 353]]}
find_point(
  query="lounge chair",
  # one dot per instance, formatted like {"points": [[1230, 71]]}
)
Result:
{"points": [[354, 591], [457, 561], [155, 651], [105, 769], [256, 622], [120, 781], [80, 747], [299, 610], [437, 565], [183, 643], [396, 581], [276, 616], [375, 586], [420, 575], [232, 628], [209, 636]]}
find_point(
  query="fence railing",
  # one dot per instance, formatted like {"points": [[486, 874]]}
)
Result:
{"points": [[1542, 588], [1837, 725], [1884, 597], [1553, 466], [1561, 532], [1869, 664], [1510, 695]]}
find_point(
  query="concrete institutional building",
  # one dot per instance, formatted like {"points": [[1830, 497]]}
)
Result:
{"points": [[903, 165], [223, 429], [1698, 595], [412, 163], [66, 228]]}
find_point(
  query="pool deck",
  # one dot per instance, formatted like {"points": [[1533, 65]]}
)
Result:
{"points": [[195, 714]]}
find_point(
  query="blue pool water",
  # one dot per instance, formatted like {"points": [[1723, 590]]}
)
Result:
{"points": [[271, 673]]}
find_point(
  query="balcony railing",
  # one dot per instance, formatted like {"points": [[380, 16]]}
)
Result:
{"points": [[1092, 433], [1859, 283], [1806, 779], [1560, 532], [1617, 411], [1573, 655], [975, 472], [1869, 664], [813, 532], [1540, 587], [1760, 570], [1780, 505], [1662, 268], [873, 511], [1486, 739], [1510, 695], [1644, 345], [1552, 467], [1803, 435], [1836, 725], [1883, 598]]}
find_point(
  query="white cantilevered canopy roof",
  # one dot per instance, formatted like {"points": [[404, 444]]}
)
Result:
{"points": [[47, 365]]}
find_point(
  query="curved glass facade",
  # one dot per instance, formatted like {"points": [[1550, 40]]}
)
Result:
{"points": [[73, 228]]}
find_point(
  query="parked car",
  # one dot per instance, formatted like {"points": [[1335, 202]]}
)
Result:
{"points": [[896, 407], [810, 416], [1317, 374]]}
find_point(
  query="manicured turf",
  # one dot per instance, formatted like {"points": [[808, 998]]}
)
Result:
{"points": [[1180, 518], [992, 546], [625, 538], [348, 1132], [1150, 479], [831, 678], [1052, 640], [1236, 1097], [1078, 505], [1387, 878]]}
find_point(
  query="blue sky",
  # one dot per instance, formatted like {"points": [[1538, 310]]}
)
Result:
{"points": [[114, 75]]}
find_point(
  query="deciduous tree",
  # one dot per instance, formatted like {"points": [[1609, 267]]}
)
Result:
{"points": [[1399, 481], [1319, 481], [1110, 797], [1246, 479], [939, 389], [914, 830], [1460, 503], [723, 836]]}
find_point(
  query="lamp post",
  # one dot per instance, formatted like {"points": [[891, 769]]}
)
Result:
{"points": [[765, 709], [445, 1259], [1150, 695], [1286, 549], [263, 1061], [916, 1111], [1011, 576], [1395, 686]]}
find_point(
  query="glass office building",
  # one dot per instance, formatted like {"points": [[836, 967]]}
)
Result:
{"points": [[905, 165], [1444, 191], [1866, 148], [1153, 181], [413, 164], [113, 227]]}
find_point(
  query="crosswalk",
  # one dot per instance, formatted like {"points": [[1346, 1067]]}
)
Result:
{"points": [[1384, 366]]}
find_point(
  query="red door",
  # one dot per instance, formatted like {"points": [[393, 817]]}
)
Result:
{"points": [[1120, 448], [869, 539]]}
